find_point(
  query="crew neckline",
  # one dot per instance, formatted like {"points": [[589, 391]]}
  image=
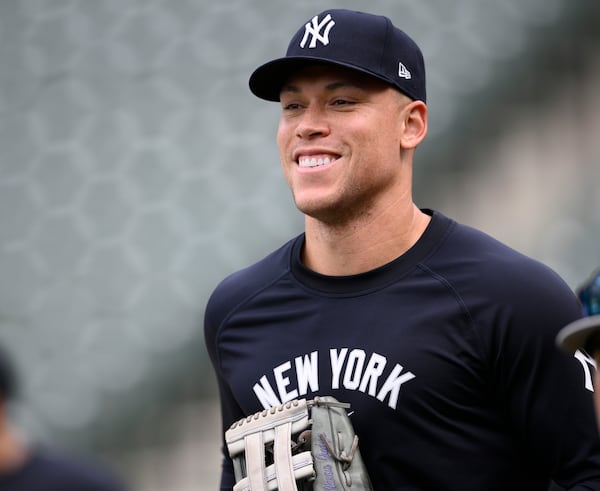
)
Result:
{"points": [[376, 278]]}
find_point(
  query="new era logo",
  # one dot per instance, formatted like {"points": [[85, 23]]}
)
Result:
{"points": [[403, 72], [319, 31]]}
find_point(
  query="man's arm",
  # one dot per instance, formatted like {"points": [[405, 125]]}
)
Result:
{"points": [[547, 393]]}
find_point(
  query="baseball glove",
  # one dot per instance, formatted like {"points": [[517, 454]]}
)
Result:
{"points": [[301, 445]]}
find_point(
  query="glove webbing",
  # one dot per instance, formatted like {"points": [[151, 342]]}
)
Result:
{"points": [[246, 441]]}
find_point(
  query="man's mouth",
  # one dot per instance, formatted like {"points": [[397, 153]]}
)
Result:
{"points": [[316, 160]]}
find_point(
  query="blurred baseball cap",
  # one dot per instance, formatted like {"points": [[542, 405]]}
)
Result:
{"points": [[584, 333], [365, 42]]}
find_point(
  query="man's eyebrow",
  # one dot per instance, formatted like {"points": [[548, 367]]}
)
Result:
{"points": [[329, 87], [289, 88]]}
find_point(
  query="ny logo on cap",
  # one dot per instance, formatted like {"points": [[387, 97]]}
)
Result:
{"points": [[314, 29]]}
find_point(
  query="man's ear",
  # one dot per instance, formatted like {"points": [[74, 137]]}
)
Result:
{"points": [[415, 124]]}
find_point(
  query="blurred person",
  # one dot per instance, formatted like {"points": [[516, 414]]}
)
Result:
{"points": [[440, 337], [29, 467], [582, 336]]}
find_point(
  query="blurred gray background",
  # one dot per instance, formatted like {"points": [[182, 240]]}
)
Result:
{"points": [[137, 170]]}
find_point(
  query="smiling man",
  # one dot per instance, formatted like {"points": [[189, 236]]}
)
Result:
{"points": [[440, 337], [346, 142]]}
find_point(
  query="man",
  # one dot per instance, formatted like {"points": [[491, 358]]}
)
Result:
{"points": [[440, 337], [24, 467]]}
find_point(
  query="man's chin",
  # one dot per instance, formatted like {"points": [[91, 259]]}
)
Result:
{"points": [[331, 214]]}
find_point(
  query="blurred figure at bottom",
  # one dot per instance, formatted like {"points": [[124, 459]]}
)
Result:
{"points": [[25, 467]]}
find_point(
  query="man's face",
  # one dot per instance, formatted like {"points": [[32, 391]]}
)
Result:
{"points": [[339, 142]]}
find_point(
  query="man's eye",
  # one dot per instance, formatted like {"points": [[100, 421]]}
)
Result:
{"points": [[291, 106], [341, 102]]}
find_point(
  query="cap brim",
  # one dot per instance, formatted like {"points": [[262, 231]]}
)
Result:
{"points": [[268, 79], [575, 335]]}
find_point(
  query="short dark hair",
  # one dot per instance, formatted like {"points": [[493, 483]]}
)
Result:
{"points": [[8, 379]]}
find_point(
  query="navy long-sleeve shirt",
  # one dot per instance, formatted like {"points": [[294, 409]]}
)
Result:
{"points": [[446, 355]]}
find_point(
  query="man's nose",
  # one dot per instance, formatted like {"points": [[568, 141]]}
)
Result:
{"points": [[313, 123]]}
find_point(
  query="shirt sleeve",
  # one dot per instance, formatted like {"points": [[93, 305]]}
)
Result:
{"points": [[546, 393], [227, 476], [230, 410]]}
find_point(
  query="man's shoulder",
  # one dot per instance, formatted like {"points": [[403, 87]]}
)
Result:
{"points": [[470, 256], [241, 284]]}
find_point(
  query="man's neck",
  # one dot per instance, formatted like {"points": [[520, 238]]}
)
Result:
{"points": [[364, 244]]}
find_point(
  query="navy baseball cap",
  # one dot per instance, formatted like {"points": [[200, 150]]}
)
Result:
{"points": [[584, 333], [365, 42]]}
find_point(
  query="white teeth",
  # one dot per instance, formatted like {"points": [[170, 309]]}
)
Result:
{"points": [[314, 162]]}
